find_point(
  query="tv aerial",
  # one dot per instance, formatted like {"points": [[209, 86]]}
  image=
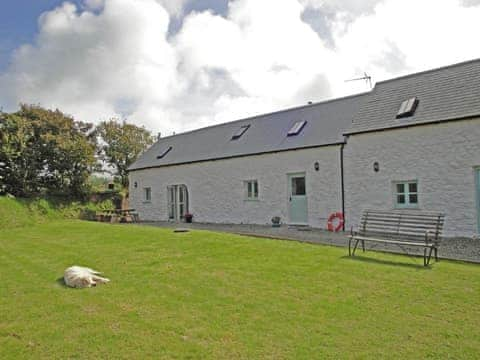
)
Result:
{"points": [[367, 78]]}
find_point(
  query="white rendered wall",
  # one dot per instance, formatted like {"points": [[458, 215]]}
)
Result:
{"points": [[441, 157], [216, 188]]}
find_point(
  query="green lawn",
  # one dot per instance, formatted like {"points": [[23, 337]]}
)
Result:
{"points": [[211, 295]]}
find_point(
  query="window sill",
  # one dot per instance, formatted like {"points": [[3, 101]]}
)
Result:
{"points": [[406, 208], [146, 202], [254, 200]]}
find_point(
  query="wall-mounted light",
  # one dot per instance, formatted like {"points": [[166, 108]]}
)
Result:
{"points": [[376, 166], [135, 184], [316, 166]]}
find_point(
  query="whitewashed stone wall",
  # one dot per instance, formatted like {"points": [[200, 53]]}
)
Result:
{"points": [[441, 157], [216, 188]]}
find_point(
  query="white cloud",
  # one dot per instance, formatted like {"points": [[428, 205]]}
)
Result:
{"points": [[116, 58], [410, 36], [273, 60], [92, 65]]}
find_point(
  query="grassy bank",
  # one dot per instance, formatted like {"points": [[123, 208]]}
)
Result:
{"points": [[222, 296], [16, 213]]}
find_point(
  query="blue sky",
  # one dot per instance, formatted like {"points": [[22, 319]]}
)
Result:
{"points": [[18, 23], [174, 65]]}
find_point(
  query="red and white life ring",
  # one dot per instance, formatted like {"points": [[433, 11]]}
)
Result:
{"points": [[331, 219]]}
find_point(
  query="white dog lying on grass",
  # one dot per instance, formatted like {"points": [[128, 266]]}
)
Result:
{"points": [[82, 277]]}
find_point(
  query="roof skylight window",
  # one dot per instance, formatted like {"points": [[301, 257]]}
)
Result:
{"points": [[164, 152], [241, 130], [407, 108], [297, 128]]}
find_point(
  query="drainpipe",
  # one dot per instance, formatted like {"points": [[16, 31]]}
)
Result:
{"points": [[342, 183]]}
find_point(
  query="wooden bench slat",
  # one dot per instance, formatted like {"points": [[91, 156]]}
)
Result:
{"points": [[403, 225], [405, 236], [394, 241], [403, 220], [400, 227], [405, 211], [406, 218], [394, 237], [398, 221]]}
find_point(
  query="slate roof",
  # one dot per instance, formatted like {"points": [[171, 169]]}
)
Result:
{"points": [[447, 93], [326, 123]]}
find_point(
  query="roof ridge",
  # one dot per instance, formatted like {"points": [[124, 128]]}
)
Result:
{"points": [[441, 68], [253, 117]]}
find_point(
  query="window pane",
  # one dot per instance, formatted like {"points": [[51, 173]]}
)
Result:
{"points": [[413, 199], [249, 189], [298, 186], [171, 194], [296, 128], [400, 199], [255, 189], [412, 187], [238, 134], [400, 188]]}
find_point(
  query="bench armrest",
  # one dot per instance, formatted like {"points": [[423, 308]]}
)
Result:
{"points": [[353, 232], [429, 234]]}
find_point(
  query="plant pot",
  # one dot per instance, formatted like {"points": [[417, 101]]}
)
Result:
{"points": [[276, 221]]}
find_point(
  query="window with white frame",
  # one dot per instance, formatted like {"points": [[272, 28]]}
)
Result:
{"points": [[147, 194], [406, 194], [251, 190]]}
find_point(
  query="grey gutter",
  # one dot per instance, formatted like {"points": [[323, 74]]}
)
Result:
{"points": [[342, 146]]}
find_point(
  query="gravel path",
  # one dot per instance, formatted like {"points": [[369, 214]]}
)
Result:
{"points": [[464, 249]]}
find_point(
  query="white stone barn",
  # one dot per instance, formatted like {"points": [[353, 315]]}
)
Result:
{"points": [[411, 143]]}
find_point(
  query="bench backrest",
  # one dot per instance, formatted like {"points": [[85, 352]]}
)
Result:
{"points": [[405, 225]]}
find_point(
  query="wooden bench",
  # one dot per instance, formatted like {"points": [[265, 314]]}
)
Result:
{"points": [[118, 215], [400, 227]]}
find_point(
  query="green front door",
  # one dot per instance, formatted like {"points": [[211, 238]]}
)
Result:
{"points": [[297, 199]]}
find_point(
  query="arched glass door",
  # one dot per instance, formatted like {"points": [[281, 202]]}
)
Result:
{"points": [[177, 196]]}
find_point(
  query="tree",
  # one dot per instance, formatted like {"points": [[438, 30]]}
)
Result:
{"points": [[123, 143], [45, 151]]}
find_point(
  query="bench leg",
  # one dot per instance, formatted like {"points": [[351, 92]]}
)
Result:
{"points": [[349, 247], [355, 247], [436, 254], [363, 245], [426, 259]]}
